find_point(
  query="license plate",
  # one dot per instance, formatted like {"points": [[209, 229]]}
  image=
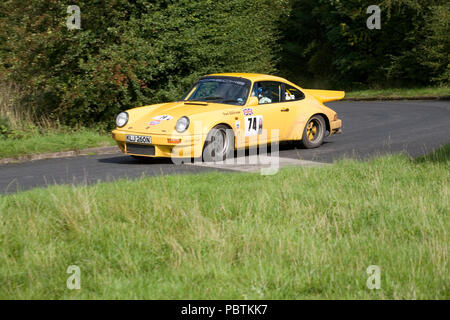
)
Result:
{"points": [[139, 139]]}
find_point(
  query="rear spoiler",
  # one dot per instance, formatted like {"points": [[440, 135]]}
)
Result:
{"points": [[326, 95]]}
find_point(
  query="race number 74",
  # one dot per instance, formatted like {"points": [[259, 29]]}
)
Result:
{"points": [[253, 125]]}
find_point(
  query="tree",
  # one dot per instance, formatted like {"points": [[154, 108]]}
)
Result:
{"points": [[327, 42], [130, 53]]}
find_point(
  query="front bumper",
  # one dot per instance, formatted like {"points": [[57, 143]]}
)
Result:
{"points": [[166, 145]]}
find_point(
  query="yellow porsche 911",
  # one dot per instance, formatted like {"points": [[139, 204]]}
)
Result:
{"points": [[224, 112]]}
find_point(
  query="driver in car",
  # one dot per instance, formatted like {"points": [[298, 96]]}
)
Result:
{"points": [[263, 96]]}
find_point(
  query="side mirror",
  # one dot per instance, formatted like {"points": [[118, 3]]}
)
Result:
{"points": [[253, 102]]}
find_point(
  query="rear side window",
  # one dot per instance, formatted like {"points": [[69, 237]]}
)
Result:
{"points": [[267, 92], [292, 94]]}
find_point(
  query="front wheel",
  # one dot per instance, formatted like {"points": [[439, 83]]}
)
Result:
{"points": [[314, 132], [219, 144]]}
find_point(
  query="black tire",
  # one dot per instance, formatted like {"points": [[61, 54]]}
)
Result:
{"points": [[219, 144], [314, 132]]}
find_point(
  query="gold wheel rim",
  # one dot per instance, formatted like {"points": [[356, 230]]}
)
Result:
{"points": [[311, 130]]}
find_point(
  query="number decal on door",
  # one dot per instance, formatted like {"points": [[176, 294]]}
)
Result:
{"points": [[253, 125]]}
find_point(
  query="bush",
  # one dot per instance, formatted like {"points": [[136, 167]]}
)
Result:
{"points": [[5, 127], [436, 48], [129, 53], [328, 41], [132, 53]]}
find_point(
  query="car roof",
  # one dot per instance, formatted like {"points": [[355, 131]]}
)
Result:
{"points": [[251, 76]]}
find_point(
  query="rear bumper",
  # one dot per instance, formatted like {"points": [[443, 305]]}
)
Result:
{"points": [[167, 146], [335, 127]]}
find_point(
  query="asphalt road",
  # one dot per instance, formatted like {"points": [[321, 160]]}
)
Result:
{"points": [[369, 129]]}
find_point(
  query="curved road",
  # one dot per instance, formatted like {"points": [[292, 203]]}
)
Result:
{"points": [[369, 129]]}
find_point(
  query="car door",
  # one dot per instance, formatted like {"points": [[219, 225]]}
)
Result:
{"points": [[293, 100], [271, 108]]}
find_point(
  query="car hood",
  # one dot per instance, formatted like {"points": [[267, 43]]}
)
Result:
{"points": [[162, 118]]}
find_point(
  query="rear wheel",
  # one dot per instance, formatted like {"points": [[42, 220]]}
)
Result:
{"points": [[314, 132], [219, 144]]}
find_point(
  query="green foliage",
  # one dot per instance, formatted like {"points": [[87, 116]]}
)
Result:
{"points": [[5, 127], [328, 41], [436, 48], [7, 131], [441, 92], [130, 53]]}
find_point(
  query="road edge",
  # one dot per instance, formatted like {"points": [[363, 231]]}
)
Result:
{"points": [[61, 154], [116, 150], [444, 98]]}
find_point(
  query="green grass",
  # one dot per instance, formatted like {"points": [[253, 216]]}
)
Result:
{"points": [[22, 132], [53, 142], [400, 93], [302, 233]]}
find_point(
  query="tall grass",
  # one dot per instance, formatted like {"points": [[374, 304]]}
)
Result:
{"points": [[8, 106], [401, 93], [23, 132], [303, 233], [20, 116]]}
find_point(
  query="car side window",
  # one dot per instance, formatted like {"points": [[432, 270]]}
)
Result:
{"points": [[267, 91], [292, 94]]}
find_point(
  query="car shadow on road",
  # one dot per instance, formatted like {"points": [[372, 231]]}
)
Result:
{"points": [[295, 145], [130, 160]]}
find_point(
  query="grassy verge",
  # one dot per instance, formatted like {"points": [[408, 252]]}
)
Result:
{"points": [[22, 132], [303, 233], [53, 142], [400, 93]]}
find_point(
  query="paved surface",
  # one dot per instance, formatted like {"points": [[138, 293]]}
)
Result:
{"points": [[370, 128], [267, 164], [381, 127], [62, 154]]}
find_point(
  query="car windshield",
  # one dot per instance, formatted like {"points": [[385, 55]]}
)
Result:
{"points": [[220, 90]]}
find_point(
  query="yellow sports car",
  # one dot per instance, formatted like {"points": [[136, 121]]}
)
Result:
{"points": [[223, 112]]}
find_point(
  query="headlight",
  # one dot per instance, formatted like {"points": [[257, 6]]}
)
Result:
{"points": [[182, 124], [122, 119]]}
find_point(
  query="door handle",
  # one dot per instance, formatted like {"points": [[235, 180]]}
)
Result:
{"points": [[285, 110]]}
